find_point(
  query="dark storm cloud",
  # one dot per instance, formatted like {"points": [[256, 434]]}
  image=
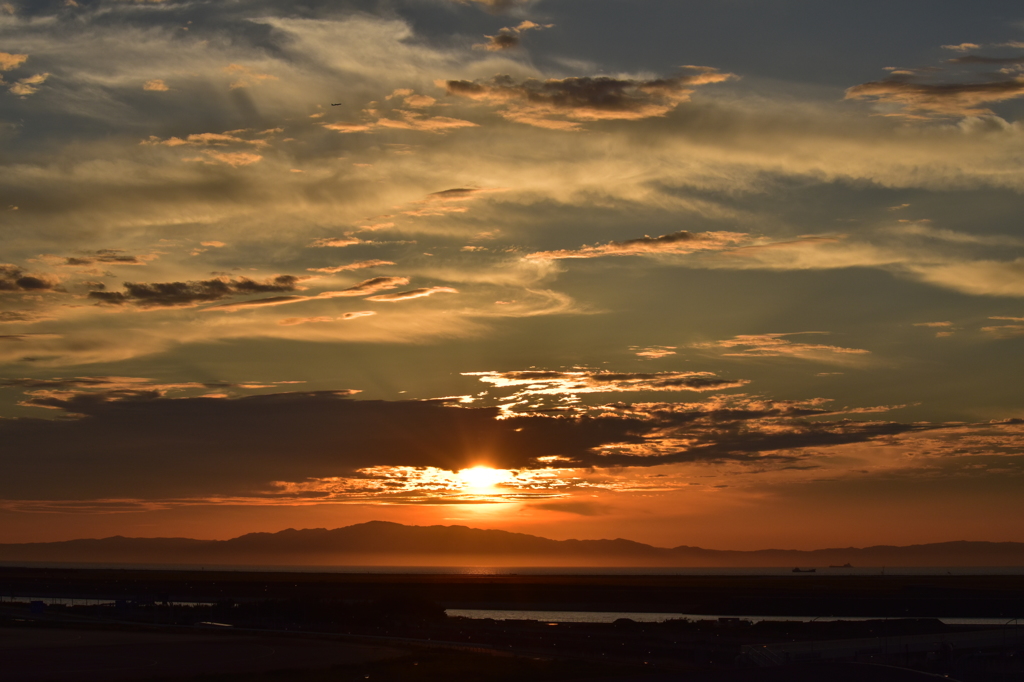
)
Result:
{"points": [[13, 278], [140, 444], [184, 294]]}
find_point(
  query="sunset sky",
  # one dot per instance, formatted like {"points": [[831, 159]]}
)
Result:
{"points": [[735, 274]]}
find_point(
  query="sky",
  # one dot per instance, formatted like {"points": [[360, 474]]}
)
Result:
{"points": [[736, 274]]}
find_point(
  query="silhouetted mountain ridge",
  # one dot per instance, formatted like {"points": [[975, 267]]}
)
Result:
{"points": [[387, 543]]}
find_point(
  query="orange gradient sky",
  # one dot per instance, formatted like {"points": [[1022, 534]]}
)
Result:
{"points": [[736, 275]]}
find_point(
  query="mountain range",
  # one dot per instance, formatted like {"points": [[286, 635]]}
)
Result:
{"points": [[381, 543]]}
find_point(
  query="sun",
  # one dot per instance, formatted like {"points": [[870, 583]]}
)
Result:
{"points": [[483, 477]]}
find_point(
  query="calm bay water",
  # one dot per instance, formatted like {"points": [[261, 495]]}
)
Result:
{"points": [[612, 616]]}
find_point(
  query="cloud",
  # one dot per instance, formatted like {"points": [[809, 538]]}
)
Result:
{"points": [[933, 256], [505, 39], [653, 352], [925, 93], [978, 277], [510, 36], [412, 293], [292, 321], [10, 61], [241, 445], [13, 278], [447, 201], [155, 85], [233, 159], [28, 85], [54, 393], [349, 127], [774, 345], [375, 284], [362, 289], [25, 337], [675, 243], [261, 303], [411, 99], [924, 229], [407, 116], [106, 257], [496, 5], [1006, 331], [993, 61], [337, 242], [191, 293], [411, 120], [406, 120], [12, 316], [246, 76], [357, 314], [943, 329], [962, 47], [545, 382], [958, 99], [253, 446], [205, 139], [353, 266], [347, 240], [562, 103]]}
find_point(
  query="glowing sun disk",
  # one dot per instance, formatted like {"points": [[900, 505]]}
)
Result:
{"points": [[481, 477]]}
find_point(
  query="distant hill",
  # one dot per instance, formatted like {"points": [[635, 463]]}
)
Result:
{"points": [[380, 543]]}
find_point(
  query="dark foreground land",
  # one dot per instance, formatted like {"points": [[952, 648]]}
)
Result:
{"points": [[231, 626]]}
